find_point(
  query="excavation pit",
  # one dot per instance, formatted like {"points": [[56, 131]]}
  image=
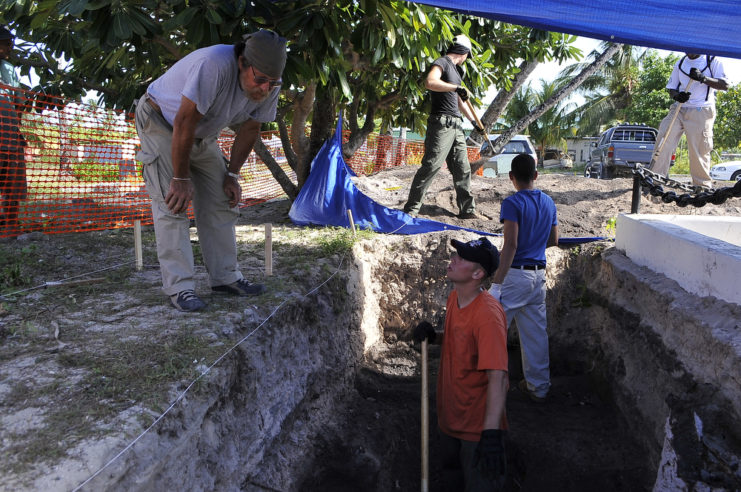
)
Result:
{"points": [[318, 405], [325, 395]]}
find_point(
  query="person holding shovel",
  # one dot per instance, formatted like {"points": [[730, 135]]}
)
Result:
{"points": [[472, 381], [692, 85], [445, 140]]}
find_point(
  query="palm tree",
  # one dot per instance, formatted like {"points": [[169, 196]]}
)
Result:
{"points": [[609, 91], [537, 111], [552, 127]]}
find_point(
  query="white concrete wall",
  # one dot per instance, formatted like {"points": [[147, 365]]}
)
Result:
{"points": [[701, 253]]}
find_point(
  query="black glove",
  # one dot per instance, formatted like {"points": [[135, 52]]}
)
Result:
{"points": [[697, 75], [681, 97], [478, 128], [424, 330], [489, 457], [462, 92]]}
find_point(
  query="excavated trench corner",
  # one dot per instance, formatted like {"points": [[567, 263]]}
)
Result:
{"points": [[326, 395]]}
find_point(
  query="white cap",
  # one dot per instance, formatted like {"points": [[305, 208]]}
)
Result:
{"points": [[463, 40]]}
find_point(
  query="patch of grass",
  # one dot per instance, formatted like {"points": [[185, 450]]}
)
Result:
{"points": [[140, 370], [17, 265], [339, 240], [611, 226]]}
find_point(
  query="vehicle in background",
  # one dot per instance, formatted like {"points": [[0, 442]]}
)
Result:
{"points": [[726, 171], [557, 158], [501, 163], [619, 149]]}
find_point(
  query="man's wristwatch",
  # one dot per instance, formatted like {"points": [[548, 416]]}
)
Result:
{"points": [[233, 175]]}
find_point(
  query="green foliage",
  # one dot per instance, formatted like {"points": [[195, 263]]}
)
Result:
{"points": [[609, 91], [611, 226], [341, 240], [93, 170], [651, 101], [727, 129], [553, 127], [368, 57], [17, 265]]}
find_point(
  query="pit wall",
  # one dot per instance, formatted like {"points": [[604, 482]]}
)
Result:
{"points": [[669, 359], [254, 425]]}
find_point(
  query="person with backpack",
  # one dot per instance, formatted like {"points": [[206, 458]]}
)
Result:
{"points": [[692, 85]]}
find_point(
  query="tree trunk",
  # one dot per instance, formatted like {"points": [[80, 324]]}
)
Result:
{"points": [[322, 127], [278, 173], [502, 99], [536, 113]]}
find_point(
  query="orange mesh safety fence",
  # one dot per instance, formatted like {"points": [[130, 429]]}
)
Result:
{"points": [[381, 152], [71, 167]]}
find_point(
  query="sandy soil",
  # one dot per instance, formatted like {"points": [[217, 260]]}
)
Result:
{"points": [[585, 206]]}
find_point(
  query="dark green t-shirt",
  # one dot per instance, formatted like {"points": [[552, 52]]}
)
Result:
{"points": [[446, 102]]}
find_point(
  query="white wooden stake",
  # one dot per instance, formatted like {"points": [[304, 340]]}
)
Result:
{"points": [[138, 244], [352, 222], [268, 250]]}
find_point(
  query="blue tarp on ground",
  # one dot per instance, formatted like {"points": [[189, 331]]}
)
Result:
{"points": [[693, 26], [329, 193]]}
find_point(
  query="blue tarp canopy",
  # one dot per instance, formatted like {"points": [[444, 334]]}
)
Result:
{"points": [[693, 26], [329, 193]]}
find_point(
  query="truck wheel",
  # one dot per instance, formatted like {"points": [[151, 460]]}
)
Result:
{"points": [[587, 173], [606, 172], [736, 176]]}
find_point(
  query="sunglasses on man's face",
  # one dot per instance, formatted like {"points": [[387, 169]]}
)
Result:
{"points": [[259, 80]]}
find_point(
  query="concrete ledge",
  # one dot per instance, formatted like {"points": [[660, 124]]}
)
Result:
{"points": [[701, 253]]}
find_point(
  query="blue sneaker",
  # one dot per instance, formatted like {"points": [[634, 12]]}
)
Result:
{"points": [[187, 301]]}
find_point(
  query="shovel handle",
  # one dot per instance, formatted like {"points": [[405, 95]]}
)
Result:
{"points": [[475, 116], [425, 422]]}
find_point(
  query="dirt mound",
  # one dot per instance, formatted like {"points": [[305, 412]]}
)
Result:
{"points": [[586, 207]]}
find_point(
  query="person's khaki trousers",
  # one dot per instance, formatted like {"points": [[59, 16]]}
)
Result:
{"points": [[215, 220], [697, 125]]}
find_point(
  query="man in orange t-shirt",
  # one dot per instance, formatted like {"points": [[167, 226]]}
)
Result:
{"points": [[472, 382]]}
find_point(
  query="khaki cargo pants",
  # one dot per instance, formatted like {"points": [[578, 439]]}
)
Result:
{"points": [[215, 220], [444, 141], [697, 125]]}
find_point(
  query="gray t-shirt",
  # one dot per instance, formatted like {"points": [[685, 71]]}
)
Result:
{"points": [[209, 78]]}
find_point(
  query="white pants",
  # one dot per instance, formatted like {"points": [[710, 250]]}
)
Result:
{"points": [[697, 125], [523, 299], [215, 220]]}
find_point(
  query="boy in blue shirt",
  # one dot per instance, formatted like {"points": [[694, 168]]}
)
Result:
{"points": [[530, 226]]}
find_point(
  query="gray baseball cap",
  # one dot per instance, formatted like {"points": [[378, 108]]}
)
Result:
{"points": [[266, 51]]}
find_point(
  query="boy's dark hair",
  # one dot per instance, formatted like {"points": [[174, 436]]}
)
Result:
{"points": [[523, 168]]}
